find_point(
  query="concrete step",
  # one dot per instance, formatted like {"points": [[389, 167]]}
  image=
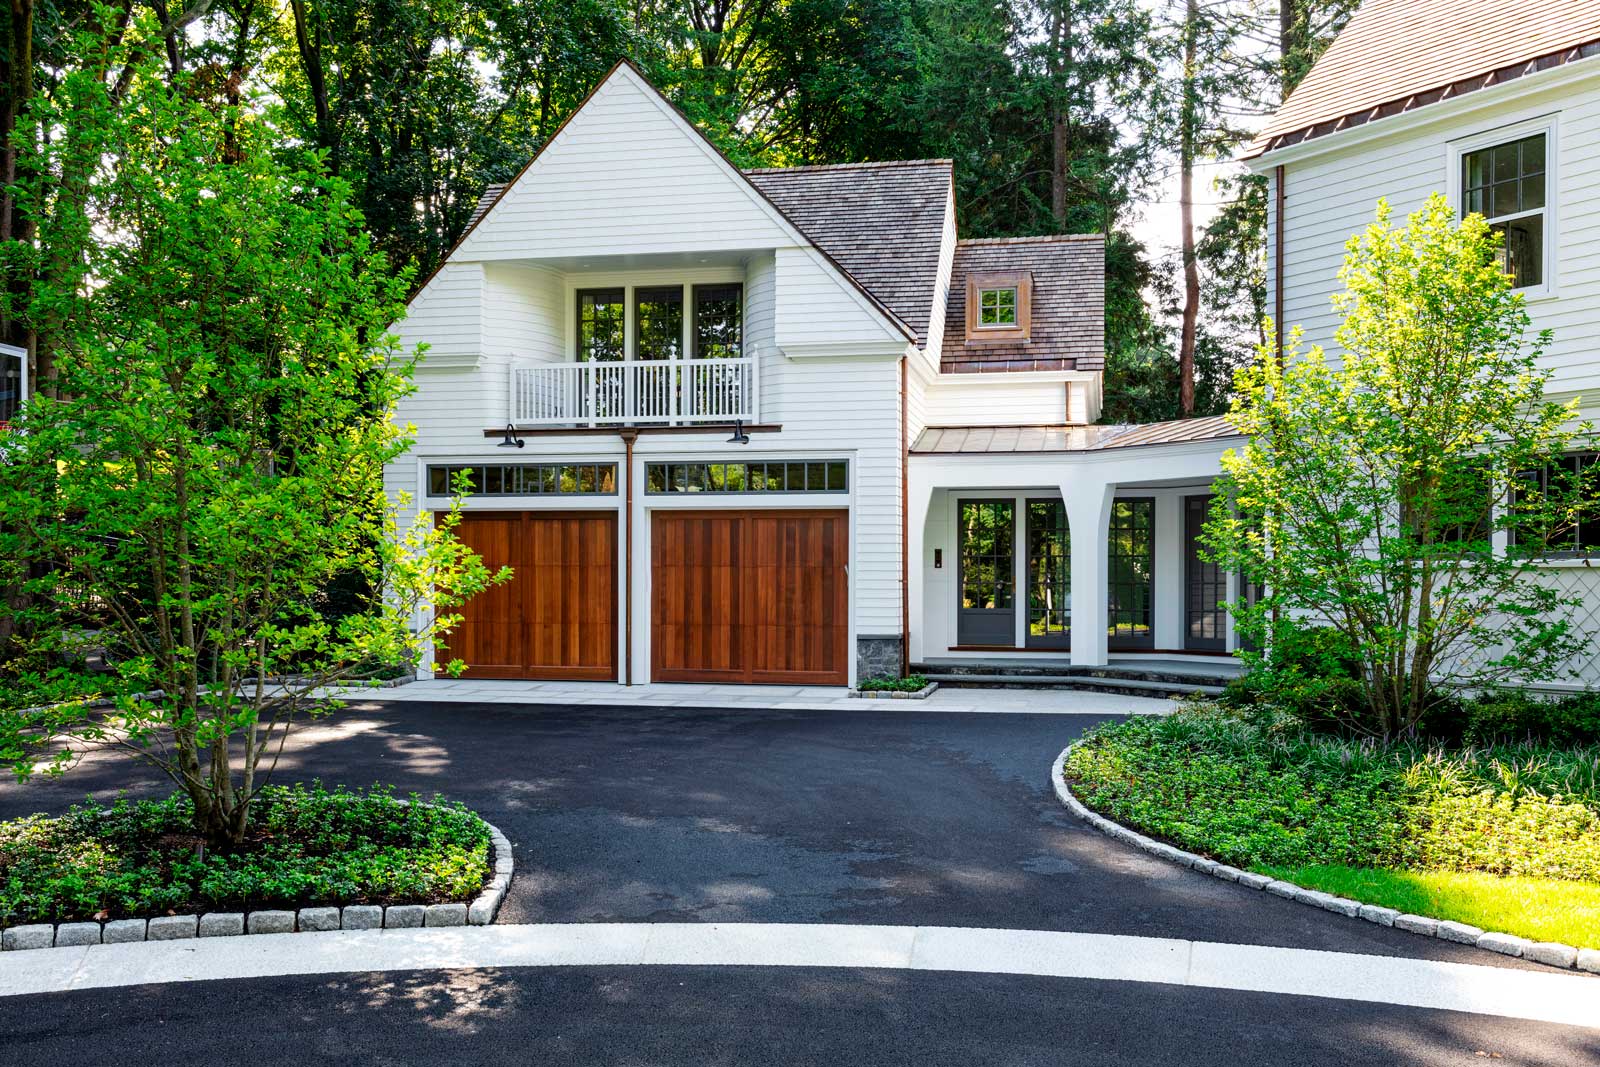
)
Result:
{"points": [[1096, 683], [1167, 673]]}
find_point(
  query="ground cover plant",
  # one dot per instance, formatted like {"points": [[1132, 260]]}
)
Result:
{"points": [[911, 683], [306, 847], [1382, 821]]}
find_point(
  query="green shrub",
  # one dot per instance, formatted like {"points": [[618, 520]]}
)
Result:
{"points": [[911, 683], [307, 846], [1222, 785], [1515, 715]]}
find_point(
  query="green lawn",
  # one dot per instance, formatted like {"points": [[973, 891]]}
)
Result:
{"points": [[1542, 909]]}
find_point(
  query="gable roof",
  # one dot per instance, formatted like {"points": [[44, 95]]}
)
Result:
{"points": [[1396, 55], [882, 222], [494, 196], [1067, 331]]}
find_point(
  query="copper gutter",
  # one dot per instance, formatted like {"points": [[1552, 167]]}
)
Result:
{"points": [[628, 438], [905, 528], [1277, 260]]}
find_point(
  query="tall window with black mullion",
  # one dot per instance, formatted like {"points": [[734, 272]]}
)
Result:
{"points": [[658, 322], [1506, 185], [718, 321], [601, 331]]}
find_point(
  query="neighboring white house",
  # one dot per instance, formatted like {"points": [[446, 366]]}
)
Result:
{"points": [[785, 426], [1497, 105]]}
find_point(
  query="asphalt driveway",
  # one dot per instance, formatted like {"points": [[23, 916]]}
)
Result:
{"points": [[871, 816]]}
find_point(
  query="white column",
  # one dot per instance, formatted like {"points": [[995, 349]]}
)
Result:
{"points": [[1088, 501], [919, 492]]}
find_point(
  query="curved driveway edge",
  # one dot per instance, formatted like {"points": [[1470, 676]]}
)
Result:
{"points": [[1539, 996], [1547, 952]]}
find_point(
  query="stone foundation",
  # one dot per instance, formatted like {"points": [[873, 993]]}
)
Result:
{"points": [[877, 657]]}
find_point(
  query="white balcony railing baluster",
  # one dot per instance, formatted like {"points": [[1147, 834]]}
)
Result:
{"points": [[665, 391]]}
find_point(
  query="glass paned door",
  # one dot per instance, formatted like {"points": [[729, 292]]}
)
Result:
{"points": [[1131, 585], [1049, 575], [988, 612], [1205, 585]]}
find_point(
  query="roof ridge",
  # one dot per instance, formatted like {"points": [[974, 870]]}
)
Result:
{"points": [[804, 167], [1040, 239]]}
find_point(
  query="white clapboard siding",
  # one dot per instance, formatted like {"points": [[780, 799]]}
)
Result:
{"points": [[852, 405], [933, 348], [589, 193], [1334, 195], [526, 316], [816, 306], [760, 325], [957, 401], [447, 315]]}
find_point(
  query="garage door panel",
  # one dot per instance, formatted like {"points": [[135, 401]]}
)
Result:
{"points": [[750, 596], [556, 618]]}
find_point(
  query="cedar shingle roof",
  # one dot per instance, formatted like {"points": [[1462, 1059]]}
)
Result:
{"points": [[1069, 284], [1397, 55], [485, 202], [966, 440], [882, 222]]}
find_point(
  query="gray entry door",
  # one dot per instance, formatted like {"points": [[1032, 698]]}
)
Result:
{"points": [[988, 612]]}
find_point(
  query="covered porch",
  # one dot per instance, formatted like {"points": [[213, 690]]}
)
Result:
{"points": [[1067, 548]]}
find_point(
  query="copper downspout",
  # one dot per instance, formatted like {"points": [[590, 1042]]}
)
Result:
{"points": [[1277, 260], [905, 527], [628, 438]]}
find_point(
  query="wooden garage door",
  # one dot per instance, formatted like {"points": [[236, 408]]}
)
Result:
{"points": [[753, 596], [557, 617]]}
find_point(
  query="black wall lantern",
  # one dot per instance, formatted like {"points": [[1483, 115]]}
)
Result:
{"points": [[739, 436], [511, 439]]}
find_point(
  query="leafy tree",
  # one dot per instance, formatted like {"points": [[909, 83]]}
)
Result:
{"points": [[1373, 490], [213, 459]]}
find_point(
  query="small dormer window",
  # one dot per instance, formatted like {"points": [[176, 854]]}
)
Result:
{"points": [[998, 306]]}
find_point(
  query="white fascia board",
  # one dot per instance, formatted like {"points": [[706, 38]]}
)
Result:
{"points": [[889, 349], [1018, 377], [1440, 111]]}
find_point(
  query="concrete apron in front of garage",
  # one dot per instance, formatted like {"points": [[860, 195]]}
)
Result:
{"points": [[778, 697]]}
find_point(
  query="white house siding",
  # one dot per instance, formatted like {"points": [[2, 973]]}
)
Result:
{"points": [[1011, 399], [1332, 185], [1334, 194], [526, 317], [588, 193], [447, 315], [816, 306], [852, 407]]}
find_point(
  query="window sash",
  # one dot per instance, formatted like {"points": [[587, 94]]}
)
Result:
{"points": [[526, 479], [748, 476], [718, 339], [602, 325]]}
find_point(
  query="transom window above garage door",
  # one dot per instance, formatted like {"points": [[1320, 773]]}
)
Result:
{"points": [[526, 479], [770, 476]]}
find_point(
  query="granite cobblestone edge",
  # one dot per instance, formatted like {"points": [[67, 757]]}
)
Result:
{"points": [[1550, 953], [480, 912]]}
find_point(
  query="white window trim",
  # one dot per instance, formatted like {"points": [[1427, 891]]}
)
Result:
{"points": [[1016, 307], [1549, 125]]}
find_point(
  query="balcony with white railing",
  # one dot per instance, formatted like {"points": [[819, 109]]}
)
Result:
{"points": [[622, 393]]}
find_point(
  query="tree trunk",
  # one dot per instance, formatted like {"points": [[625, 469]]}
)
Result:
{"points": [[1058, 60], [1188, 119], [308, 43]]}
